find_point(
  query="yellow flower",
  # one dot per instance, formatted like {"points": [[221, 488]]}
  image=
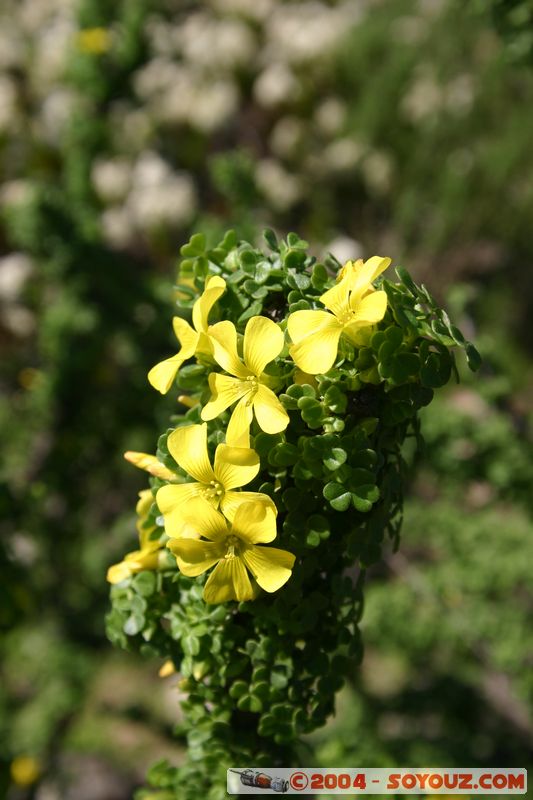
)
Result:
{"points": [[233, 467], [167, 669], [187, 400], [94, 40], [193, 340], [150, 464], [151, 554], [232, 548], [25, 770], [263, 342], [353, 303]]}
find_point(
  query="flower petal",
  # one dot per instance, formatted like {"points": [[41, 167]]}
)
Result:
{"points": [[214, 288], [188, 446], [269, 412], [193, 556], [318, 352], [151, 464], [263, 342], [370, 309], [349, 266], [367, 273], [270, 566], [228, 581], [118, 572], [336, 299], [186, 336], [138, 560], [201, 519], [147, 543], [225, 391], [232, 500], [223, 336], [238, 431], [205, 346], [162, 375], [173, 500], [235, 466], [144, 502], [304, 323], [254, 522]]}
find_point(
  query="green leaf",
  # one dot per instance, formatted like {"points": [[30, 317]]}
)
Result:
{"points": [[369, 492], [270, 238], [313, 539], [436, 370], [195, 246], [229, 241], [298, 390], [294, 241], [394, 335], [364, 458], [190, 376], [473, 357], [288, 402], [283, 455], [238, 689], [407, 281], [319, 525], [337, 496], [311, 411], [336, 459], [253, 310], [145, 583], [278, 679], [133, 625], [360, 477], [249, 702], [300, 280], [335, 400], [260, 674], [248, 258], [187, 290], [319, 277], [262, 271], [291, 498], [261, 690], [190, 644], [377, 340]]}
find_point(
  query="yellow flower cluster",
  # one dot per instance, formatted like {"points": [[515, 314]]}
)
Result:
{"points": [[210, 521], [151, 554], [94, 40]]}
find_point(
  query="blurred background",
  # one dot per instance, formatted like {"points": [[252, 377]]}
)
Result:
{"points": [[398, 127]]}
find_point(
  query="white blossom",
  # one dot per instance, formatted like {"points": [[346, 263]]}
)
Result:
{"points": [[160, 196], [15, 269], [280, 188], [277, 84], [377, 170], [345, 249], [118, 227], [330, 116], [287, 136], [215, 43], [111, 179]]}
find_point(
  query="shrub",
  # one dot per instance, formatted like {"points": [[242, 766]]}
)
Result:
{"points": [[327, 367]]}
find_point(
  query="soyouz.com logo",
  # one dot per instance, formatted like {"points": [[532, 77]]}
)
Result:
{"points": [[400, 780]]}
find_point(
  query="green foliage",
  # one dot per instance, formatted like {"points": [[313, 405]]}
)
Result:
{"points": [[434, 645], [513, 20]]}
